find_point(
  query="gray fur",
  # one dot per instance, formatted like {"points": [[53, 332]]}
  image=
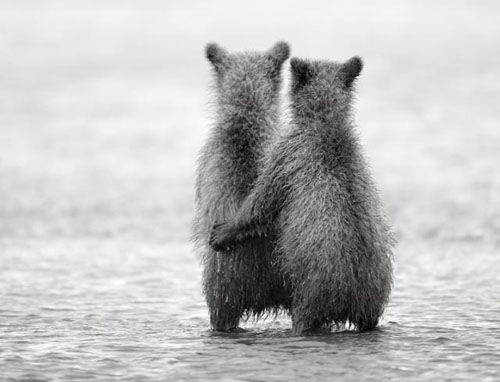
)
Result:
{"points": [[316, 195], [247, 102]]}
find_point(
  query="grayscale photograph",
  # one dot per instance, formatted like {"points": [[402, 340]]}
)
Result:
{"points": [[249, 191]]}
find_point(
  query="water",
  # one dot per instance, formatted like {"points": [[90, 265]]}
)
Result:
{"points": [[102, 112], [133, 311]]}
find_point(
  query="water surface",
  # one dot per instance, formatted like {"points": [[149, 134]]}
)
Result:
{"points": [[133, 311]]}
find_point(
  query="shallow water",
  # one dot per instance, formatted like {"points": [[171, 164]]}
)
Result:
{"points": [[130, 311]]}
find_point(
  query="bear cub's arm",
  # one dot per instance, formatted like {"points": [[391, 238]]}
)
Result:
{"points": [[259, 209], [250, 221]]}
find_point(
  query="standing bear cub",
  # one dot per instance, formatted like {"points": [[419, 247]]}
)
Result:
{"points": [[247, 103], [316, 195]]}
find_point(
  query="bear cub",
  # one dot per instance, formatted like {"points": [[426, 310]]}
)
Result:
{"points": [[246, 87], [316, 196]]}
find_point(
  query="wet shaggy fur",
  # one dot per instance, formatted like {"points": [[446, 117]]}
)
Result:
{"points": [[247, 88], [317, 196]]}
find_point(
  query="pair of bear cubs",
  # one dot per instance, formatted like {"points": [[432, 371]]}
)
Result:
{"points": [[289, 220]]}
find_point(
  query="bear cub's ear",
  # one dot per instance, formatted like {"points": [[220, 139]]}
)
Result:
{"points": [[217, 55], [280, 52], [301, 72], [351, 69]]}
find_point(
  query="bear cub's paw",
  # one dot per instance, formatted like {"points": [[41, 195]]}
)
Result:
{"points": [[221, 237]]}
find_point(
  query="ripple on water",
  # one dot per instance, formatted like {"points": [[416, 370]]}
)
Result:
{"points": [[142, 327]]}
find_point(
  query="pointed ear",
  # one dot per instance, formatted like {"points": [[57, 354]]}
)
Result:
{"points": [[301, 72], [217, 55], [279, 52], [350, 70]]}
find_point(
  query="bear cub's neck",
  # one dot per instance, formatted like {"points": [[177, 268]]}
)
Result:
{"points": [[247, 127], [330, 126]]}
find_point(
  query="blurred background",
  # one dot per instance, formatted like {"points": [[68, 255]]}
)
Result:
{"points": [[104, 107]]}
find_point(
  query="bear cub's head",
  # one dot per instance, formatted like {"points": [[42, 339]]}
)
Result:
{"points": [[323, 88], [248, 79]]}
